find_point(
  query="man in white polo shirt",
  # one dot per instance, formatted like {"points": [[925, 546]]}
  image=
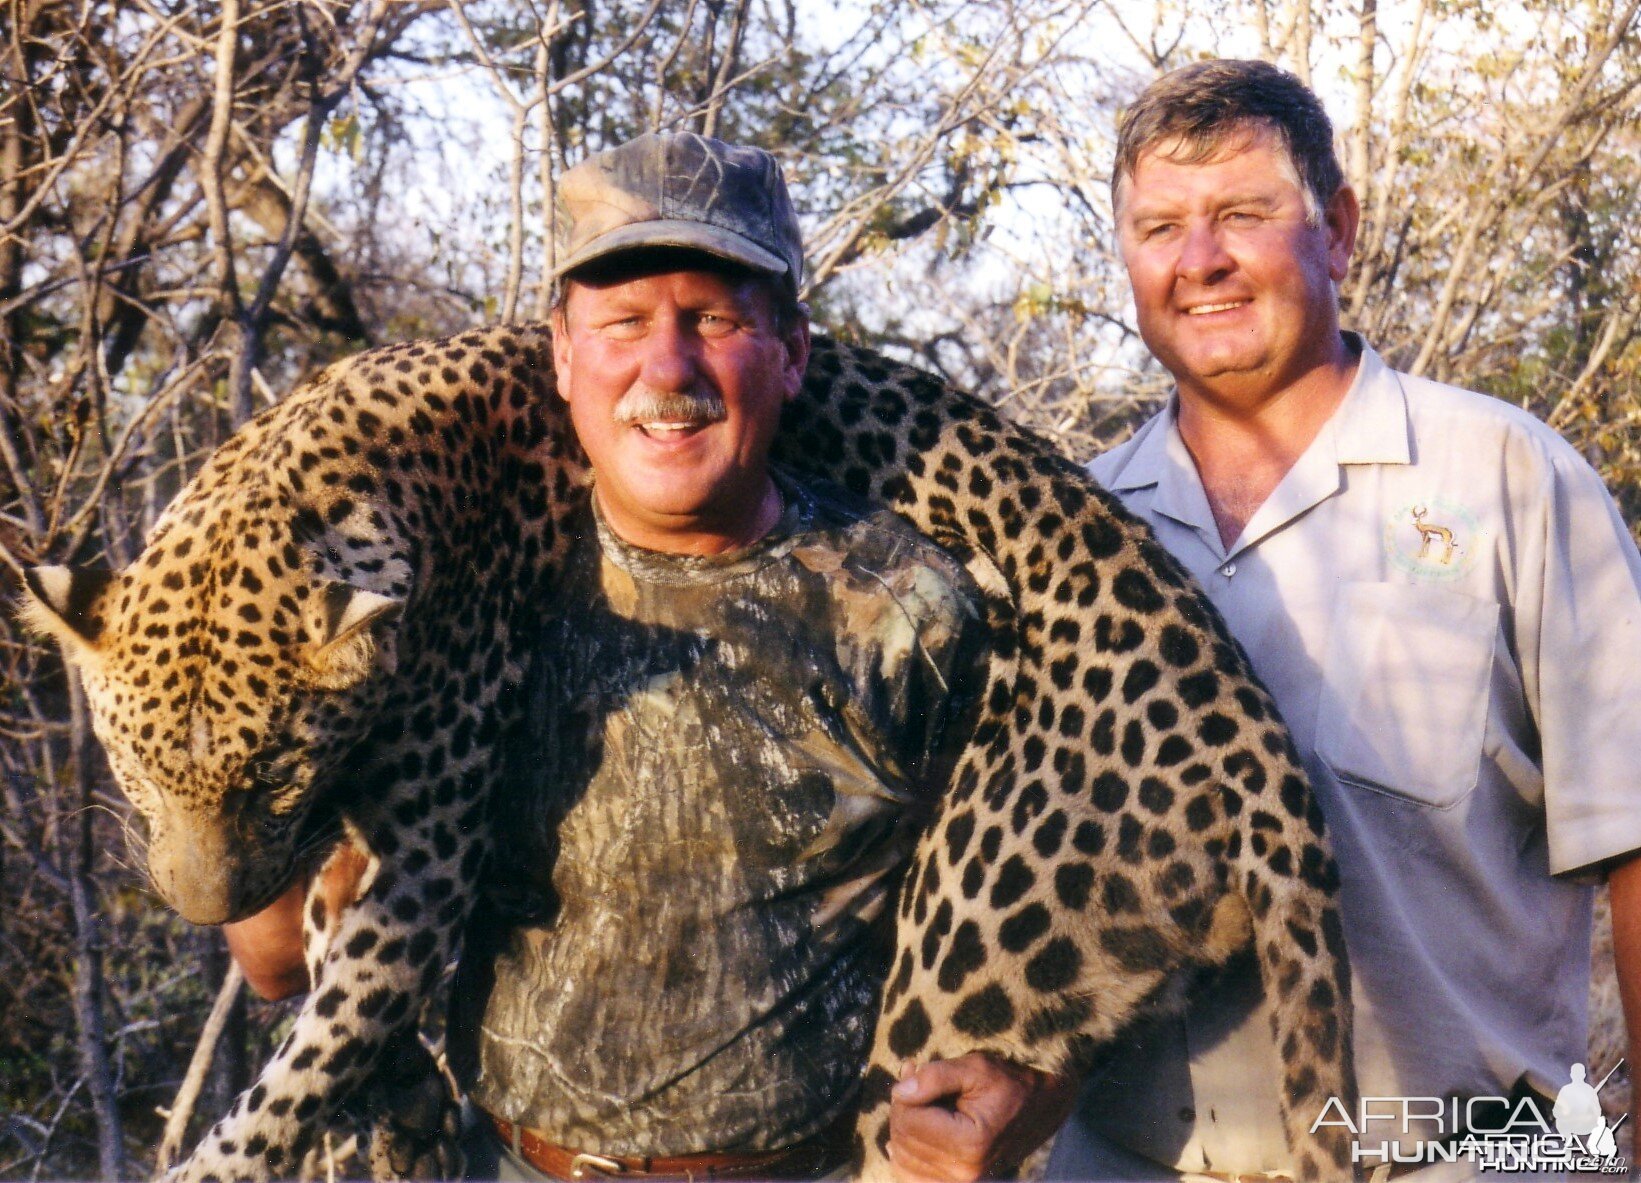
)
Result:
{"points": [[1444, 602]]}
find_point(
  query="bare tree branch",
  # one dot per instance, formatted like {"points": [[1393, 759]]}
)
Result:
{"points": [[182, 1107]]}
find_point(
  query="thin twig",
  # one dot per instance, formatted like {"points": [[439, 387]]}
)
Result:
{"points": [[182, 1108]]}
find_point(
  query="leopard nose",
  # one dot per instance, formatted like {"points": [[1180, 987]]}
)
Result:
{"points": [[199, 874]]}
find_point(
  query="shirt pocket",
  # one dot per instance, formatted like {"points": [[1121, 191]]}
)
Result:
{"points": [[1407, 672]]}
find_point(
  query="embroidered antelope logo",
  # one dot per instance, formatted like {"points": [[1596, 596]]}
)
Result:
{"points": [[1429, 532]]}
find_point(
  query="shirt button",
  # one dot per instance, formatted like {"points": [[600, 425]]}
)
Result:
{"points": [[1228, 570]]}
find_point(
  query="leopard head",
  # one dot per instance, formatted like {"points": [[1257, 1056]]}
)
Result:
{"points": [[227, 684]]}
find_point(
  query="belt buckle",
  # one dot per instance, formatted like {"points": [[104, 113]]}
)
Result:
{"points": [[585, 1165]]}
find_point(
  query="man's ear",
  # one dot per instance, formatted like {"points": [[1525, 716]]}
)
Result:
{"points": [[63, 603], [350, 628], [1342, 217], [561, 348], [796, 342]]}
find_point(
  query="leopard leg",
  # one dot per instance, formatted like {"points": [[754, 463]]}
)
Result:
{"points": [[415, 1120], [379, 964]]}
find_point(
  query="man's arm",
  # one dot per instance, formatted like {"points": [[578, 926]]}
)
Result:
{"points": [[1624, 891], [268, 945], [975, 1117]]}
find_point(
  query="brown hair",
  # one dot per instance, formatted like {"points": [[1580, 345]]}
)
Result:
{"points": [[1204, 105]]}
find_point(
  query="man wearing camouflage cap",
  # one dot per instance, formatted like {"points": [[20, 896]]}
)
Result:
{"points": [[726, 754], [675, 970]]}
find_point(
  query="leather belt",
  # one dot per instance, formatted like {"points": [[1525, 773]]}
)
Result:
{"points": [[809, 1159]]}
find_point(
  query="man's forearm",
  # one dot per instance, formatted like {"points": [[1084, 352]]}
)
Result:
{"points": [[268, 947], [1624, 891]]}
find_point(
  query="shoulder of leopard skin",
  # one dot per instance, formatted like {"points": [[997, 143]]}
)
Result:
{"points": [[316, 636], [393, 517], [1131, 807]]}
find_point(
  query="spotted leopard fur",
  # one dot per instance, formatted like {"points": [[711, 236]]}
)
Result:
{"points": [[319, 639]]}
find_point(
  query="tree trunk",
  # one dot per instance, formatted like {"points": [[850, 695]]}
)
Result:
{"points": [[79, 853]]}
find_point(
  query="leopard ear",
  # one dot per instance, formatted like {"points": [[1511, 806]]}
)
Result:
{"points": [[63, 603], [351, 633]]}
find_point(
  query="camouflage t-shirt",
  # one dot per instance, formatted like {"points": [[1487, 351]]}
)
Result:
{"points": [[726, 759]]}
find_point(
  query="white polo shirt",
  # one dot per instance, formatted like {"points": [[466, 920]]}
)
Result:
{"points": [[1446, 605]]}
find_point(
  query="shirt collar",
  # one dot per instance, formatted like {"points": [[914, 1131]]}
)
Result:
{"points": [[1370, 426], [1160, 458], [1151, 456]]}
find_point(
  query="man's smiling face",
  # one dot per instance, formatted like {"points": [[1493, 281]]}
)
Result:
{"points": [[675, 381], [1233, 281]]}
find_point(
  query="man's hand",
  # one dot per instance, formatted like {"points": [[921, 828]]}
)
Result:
{"points": [[268, 945], [972, 1118]]}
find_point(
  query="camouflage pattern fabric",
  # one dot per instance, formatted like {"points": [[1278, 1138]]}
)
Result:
{"points": [[725, 761], [679, 190]]}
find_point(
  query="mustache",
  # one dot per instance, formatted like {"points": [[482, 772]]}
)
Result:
{"points": [[648, 406]]}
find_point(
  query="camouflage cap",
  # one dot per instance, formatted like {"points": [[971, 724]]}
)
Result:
{"points": [[679, 190]]}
